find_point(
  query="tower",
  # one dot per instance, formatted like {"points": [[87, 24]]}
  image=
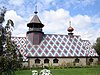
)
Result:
{"points": [[35, 34]]}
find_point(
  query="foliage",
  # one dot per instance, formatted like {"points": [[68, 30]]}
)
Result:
{"points": [[8, 49], [2, 14], [97, 46]]}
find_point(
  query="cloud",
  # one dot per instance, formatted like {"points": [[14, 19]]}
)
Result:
{"points": [[86, 26], [81, 21], [16, 2], [57, 22], [68, 4], [20, 26], [24, 7], [55, 17]]}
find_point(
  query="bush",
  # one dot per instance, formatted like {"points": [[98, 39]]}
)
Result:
{"points": [[98, 62]]}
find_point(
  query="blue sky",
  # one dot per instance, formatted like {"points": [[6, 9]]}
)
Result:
{"points": [[87, 7], [55, 15]]}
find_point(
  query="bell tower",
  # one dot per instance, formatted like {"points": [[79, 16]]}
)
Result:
{"points": [[35, 34]]}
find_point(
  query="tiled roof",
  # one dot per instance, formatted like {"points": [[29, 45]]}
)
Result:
{"points": [[21, 45], [55, 46]]}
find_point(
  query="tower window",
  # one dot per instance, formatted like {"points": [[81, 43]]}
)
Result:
{"points": [[55, 60], [77, 60], [37, 61], [46, 60]]}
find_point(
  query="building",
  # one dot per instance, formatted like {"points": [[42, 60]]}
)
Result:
{"points": [[39, 49]]}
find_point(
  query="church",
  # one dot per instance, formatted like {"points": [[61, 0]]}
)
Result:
{"points": [[40, 49]]}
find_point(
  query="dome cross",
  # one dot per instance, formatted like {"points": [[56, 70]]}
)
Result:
{"points": [[36, 10]]}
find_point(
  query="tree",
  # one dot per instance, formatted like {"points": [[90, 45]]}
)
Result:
{"points": [[8, 49], [97, 46]]}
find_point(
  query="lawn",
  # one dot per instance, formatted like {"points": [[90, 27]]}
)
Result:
{"points": [[68, 71]]}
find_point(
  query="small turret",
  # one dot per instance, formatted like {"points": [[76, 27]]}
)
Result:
{"points": [[70, 29], [35, 24], [35, 33]]}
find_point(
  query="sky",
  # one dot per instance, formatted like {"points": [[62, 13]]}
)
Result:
{"points": [[55, 15]]}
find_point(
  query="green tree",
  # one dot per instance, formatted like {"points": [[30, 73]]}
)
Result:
{"points": [[8, 49], [97, 46]]}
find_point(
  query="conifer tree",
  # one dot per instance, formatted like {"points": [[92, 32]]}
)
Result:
{"points": [[8, 49]]}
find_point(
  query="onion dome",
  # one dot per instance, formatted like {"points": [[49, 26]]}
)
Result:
{"points": [[70, 29]]}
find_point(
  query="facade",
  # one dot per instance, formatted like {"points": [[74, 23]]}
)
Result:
{"points": [[39, 49]]}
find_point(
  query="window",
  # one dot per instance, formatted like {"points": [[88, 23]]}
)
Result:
{"points": [[77, 60], [46, 60], [91, 60], [37, 61], [55, 60]]}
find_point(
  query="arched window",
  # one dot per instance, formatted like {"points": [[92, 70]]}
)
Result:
{"points": [[55, 60], [46, 60], [77, 60], [37, 61], [91, 60]]}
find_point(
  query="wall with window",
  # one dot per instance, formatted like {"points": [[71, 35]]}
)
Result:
{"points": [[58, 61], [92, 61]]}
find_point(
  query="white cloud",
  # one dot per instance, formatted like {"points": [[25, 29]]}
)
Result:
{"points": [[57, 22], [20, 26], [81, 21], [16, 2]]}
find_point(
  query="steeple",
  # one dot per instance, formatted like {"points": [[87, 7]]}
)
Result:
{"points": [[35, 33], [70, 29], [36, 10], [35, 21]]}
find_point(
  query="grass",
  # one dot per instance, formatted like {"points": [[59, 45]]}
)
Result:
{"points": [[68, 71], [77, 71]]}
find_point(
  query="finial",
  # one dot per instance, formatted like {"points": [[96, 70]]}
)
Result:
{"points": [[70, 23], [36, 10], [70, 29]]}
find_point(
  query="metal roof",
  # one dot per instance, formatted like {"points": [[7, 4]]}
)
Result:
{"points": [[35, 19]]}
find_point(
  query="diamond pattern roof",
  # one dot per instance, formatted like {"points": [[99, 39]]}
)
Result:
{"points": [[55, 46], [21, 45]]}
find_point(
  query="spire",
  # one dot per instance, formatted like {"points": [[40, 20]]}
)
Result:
{"points": [[70, 23], [70, 29], [35, 19], [36, 10]]}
